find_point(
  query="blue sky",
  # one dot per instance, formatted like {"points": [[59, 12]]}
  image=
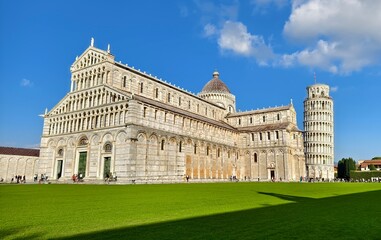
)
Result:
{"points": [[265, 50]]}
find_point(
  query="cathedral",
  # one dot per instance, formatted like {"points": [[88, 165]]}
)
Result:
{"points": [[119, 121]]}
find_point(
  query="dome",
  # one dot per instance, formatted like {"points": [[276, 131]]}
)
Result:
{"points": [[215, 85]]}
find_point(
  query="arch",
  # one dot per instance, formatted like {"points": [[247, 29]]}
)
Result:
{"points": [[83, 140], [107, 147]]}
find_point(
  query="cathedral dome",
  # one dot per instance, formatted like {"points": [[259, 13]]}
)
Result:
{"points": [[215, 85]]}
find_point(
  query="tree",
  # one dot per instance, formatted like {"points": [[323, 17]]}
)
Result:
{"points": [[376, 158], [344, 168], [372, 167]]}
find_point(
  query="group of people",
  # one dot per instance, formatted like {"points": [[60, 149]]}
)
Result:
{"points": [[109, 177], [18, 179], [77, 178]]}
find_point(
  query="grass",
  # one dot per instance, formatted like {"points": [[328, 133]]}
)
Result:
{"points": [[192, 211]]}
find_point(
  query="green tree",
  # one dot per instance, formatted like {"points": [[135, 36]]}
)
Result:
{"points": [[372, 167], [376, 158], [344, 168]]}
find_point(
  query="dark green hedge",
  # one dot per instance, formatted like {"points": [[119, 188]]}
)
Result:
{"points": [[357, 175]]}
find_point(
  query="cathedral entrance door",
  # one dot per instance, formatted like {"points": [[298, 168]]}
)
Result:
{"points": [[106, 167], [82, 164], [272, 174], [59, 168]]}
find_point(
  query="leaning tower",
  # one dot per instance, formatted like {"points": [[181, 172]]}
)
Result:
{"points": [[318, 132]]}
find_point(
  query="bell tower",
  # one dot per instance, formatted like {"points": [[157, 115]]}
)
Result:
{"points": [[319, 132]]}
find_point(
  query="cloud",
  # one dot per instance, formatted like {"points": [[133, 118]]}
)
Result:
{"points": [[234, 37], [210, 30], [26, 83], [262, 5], [339, 36], [334, 89]]}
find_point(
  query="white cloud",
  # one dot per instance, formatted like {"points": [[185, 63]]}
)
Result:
{"points": [[340, 36], [334, 89], [26, 83], [234, 37], [210, 30]]}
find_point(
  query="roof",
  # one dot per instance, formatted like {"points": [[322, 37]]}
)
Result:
{"points": [[20, 151], [265, 110], [366, 163], [269, 127], [215, 85], [183, 112]]}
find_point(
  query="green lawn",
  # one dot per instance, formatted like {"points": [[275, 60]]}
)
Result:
{"points": [[192, 211]]}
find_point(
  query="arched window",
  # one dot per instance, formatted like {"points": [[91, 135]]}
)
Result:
{"points": [[60, 152], [180, 145], [195, 149], [278, 116], [141, 87], [124, 81], [107, 147], [207, 151], [218, 152], [162, 144], [83, 141], [255, 157]]}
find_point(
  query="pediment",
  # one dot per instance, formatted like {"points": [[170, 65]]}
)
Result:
{"points": [[88, 99], [91, 56]]}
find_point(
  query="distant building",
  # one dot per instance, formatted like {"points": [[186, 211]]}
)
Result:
{"points": [[18, 161], [364, 164]]}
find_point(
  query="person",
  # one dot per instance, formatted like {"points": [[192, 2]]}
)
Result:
{"points": [[73, 178], [187, 178]]}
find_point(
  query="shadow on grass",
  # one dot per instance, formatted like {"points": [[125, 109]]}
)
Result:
{"points": [[354, 216]]}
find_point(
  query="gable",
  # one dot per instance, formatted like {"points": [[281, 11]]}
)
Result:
{"points": [[88, 99], [91, 56]]}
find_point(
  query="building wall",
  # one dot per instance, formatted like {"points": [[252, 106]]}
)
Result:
{"points": [[11, 165]]}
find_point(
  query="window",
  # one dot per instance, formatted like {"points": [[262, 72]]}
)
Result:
{"points": [[155, 113], [179, 101], [239, 121], [180, 145], [124, 81], [60, 152], [207, 151], [278, 116], [156, 92], [251, 120], [141, 87], [252, 136], [83, 141], [144, 111], [255, 157], [218, 152], [277, 134], [268, 135], [195, 149], [264, 118], [107, 147], [162, 144], [260, 136], [169, 97]]}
